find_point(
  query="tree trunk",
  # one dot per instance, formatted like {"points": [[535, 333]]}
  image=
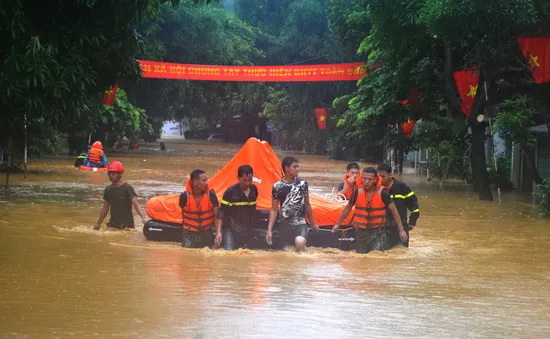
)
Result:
{"points": [[529, 157], [479, 163]]}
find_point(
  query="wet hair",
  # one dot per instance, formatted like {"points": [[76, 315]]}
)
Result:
{"points": [[288, 161], [385, 168], [352, 165], [370, 170], [196, 174], [244, 171]]}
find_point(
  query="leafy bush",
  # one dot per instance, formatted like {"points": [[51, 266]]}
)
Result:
{"points": [[542, 194]]}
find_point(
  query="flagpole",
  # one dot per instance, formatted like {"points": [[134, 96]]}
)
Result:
{"points": [[492, 143], [25, 152]]}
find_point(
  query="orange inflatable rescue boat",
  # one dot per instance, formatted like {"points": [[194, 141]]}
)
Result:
{"points": [[166, 214], [92, 169]]}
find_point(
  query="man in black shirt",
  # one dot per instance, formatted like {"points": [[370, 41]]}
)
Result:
{"points": [[237, 211], [404, 199]]}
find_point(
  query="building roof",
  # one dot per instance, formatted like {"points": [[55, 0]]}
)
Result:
{"points": [[539, 129]]}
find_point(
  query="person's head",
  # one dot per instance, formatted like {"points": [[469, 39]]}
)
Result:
{"points": [[369, 178], [244, 175], [352, 170], [199, 180], [290, 166], [115, 171], [384, 171], [97, 144]]}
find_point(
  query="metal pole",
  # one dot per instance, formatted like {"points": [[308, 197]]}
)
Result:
{"points": [[25, 152], [492, 142]]}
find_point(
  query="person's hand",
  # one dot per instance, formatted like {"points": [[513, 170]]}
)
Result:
{"points": [[218, 239], [403, 236], [335, 228], [352, 179], [144, 220], [411, 227], [315, 227], [96, 226], [269, 238]]}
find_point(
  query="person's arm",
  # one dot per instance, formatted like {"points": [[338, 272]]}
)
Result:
{"points": [[86, 160], [343, 188], [135, 203], [272, 218], [309, 214], [217, 220], [411, 202], [103, 160], [397, 218], [343, 216], [102, 214]]}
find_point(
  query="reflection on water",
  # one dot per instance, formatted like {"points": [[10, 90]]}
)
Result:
{"points": [[474, 269]]}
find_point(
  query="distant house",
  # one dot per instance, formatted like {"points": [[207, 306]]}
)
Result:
{"points": [[174, 129]]}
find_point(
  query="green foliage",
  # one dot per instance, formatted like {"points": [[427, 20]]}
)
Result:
{"points": [[123, 119], [514, 120], [542, 194]]}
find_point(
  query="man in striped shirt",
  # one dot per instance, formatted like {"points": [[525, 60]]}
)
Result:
{"points": [[404, 199]]}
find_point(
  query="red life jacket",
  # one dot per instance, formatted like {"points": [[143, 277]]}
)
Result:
{"points": [[197, 218], [369, 214], [95, 155]]}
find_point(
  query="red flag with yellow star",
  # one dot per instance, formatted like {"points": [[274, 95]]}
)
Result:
{"points": [[466, 84], [109, 95], [537, 52], [322, 115], [408, 127]]}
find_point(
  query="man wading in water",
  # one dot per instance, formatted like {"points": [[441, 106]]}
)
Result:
{"points": [[292, 193], [119, 198], [404, 199], [371, 203], [199, 207], [237, 212]]}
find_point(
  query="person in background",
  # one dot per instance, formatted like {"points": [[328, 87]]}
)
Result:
{"points": [[96, 157], [119, 197], [199, 207], [292, 194], [404, 199], [349, 184], [236, 215]]}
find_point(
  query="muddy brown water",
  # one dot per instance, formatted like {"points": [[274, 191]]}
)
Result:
{"points": [[474, 269]]}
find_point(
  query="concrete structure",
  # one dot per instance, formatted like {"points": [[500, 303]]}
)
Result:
{"points": [[174, 129]]}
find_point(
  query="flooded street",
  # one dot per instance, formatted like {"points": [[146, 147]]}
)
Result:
{"points": [[474, 269]]}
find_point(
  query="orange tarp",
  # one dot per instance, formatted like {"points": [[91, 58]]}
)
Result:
{"points": [[267, 171]]}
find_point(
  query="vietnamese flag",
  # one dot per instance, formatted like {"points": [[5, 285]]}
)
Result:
{"points": [[408, 128], [466, 84], [322, 116], [109, 95], [537, 52]]}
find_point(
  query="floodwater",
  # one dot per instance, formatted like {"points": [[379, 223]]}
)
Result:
{"points": [[474, 269]]}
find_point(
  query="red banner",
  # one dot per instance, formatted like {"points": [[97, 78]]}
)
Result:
{"points": [[295, 73], [322, 116], [537, 52], [466, 84], [109, 95]]}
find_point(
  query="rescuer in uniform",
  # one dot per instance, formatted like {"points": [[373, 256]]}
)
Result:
{"points": [[96, 157], [199, 207], [237, 210], [349, 184], [404, 199], [119, 197], [371, 202], [292, 194]]}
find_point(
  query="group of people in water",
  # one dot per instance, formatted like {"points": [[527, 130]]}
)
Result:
{"points": [[381, 204]]}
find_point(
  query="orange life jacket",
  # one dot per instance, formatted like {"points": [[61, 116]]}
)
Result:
{"points": [[351, 186], [197, 218], [369, 214], [95, 155]]}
